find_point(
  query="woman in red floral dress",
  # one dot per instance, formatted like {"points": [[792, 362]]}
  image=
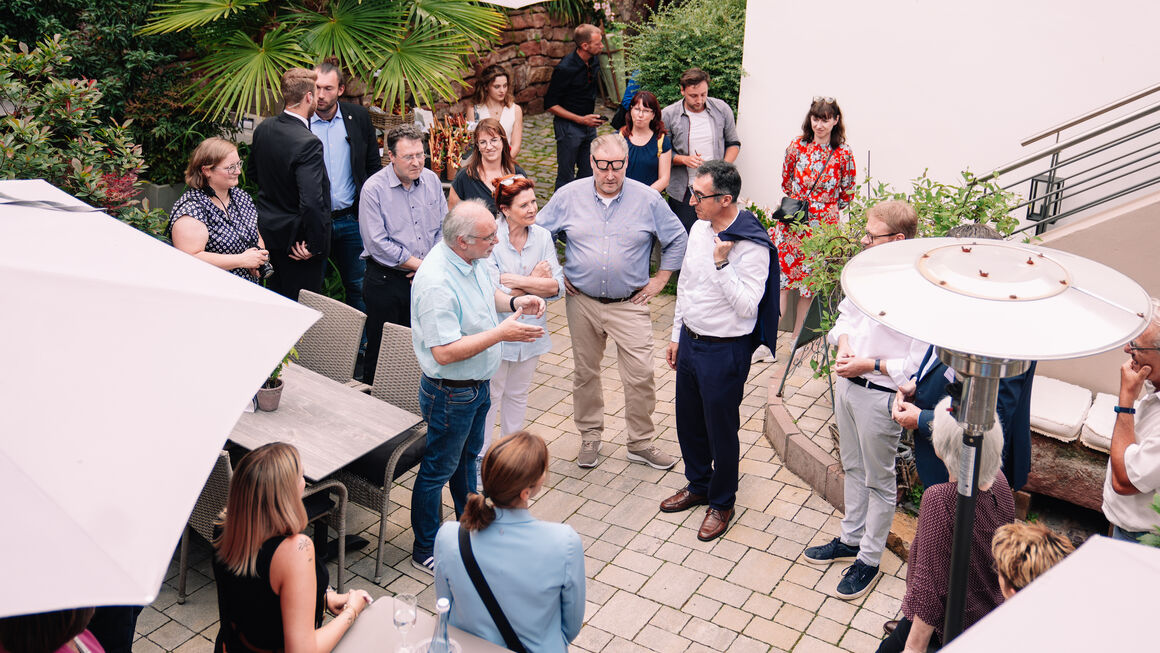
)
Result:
{"points": [[820, 160]]}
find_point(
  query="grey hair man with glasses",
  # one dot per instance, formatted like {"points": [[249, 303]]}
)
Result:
{"points": [[610, 223], [400, 218]]}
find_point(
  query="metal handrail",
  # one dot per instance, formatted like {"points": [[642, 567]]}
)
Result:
{"points": [[1091, 114]]}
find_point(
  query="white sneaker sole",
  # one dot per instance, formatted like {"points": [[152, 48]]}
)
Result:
{"points": [[632, 457], [864, 590], [423, 568], [591, 464]]}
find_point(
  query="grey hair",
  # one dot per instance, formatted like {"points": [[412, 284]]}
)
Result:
{"points": [[460, 220], [947, 437], [1155, 321], [606, 140]]}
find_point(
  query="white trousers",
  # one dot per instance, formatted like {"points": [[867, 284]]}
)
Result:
{"points": [[868, 438], [509, 398]]}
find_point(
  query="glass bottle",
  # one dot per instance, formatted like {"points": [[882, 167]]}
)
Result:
{"points": [[439, 641]]}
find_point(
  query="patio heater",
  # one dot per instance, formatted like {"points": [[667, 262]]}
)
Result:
{"points": [[990, 307]]}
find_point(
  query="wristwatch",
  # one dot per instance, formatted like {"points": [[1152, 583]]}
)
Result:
{"points": [[1129, 410], [722, 264]]}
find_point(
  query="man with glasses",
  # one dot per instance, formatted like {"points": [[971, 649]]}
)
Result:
{"points": [[571, 98], [873, 361], [1133, 476], [456, 333], [610, 223], [720, 296], [287, 163], [400, 215], [702, 128]]}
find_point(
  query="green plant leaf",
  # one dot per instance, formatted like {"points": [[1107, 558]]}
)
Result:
{"points": [[427, 63], [245, 76], [469, 19], [353, 31], [187, 14]]}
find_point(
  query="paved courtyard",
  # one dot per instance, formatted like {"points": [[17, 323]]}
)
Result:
{"points": [[652, 585]]}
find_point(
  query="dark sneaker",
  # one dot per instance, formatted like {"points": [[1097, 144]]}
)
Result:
{"points": [[426, 565], [857, 580], [832, 551]]}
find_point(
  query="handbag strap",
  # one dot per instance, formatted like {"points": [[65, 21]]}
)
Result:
{"points": [[501, 621], [820, 174]]}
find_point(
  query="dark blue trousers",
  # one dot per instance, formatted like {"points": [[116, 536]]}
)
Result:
{"points": [[710, 383]]}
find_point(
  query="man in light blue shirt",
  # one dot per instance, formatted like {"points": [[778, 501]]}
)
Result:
{"points": [[456, 334], [611, 222]]}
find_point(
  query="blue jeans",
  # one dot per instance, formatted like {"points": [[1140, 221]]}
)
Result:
{"points": [[1127, 536], [346, 248], [455, 420]]}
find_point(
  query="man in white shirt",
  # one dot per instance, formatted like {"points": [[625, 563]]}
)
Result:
{"points": [[1133, 476], [702, 128], [719, 293], [873, 361]]}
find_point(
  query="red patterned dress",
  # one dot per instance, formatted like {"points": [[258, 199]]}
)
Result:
{"points": [[804, 163]]}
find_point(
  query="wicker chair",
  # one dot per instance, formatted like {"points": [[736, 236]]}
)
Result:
{"points": [[209, 505], [330, 347], [332, 515], [369, 478]]}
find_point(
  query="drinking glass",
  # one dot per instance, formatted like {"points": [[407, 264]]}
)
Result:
{"points": [[406, 611]]}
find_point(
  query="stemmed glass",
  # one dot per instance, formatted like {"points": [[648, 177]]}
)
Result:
{"points": [[406, 611]]}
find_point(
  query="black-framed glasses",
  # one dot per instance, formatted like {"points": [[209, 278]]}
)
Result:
{"points": [[601, 164], [827, 99], [701, 197], [874, 237], [1132, 347]]}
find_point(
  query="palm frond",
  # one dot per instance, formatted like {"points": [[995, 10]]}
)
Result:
{"points": [[187, 14], [245, 76], [427, 62], [355, 32], [471, 20]]}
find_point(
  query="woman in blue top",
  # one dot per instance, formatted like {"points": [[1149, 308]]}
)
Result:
{"points": [[535, 568], [523, 262], [650, 151]]}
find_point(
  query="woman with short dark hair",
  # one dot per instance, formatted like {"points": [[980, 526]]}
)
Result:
{"points": [[534, 568]]}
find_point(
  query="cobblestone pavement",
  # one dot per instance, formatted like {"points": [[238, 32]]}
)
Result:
{"points": [[652, 585]]}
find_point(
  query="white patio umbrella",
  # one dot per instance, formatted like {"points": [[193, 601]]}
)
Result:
{"points": [[124, 364]]}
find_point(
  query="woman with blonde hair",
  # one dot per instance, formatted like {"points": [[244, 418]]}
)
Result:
{"points": [[536, 567], [1023, 552], [215, 220], [493, 98], [271, 588]]}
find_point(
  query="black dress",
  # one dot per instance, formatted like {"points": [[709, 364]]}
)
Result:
{"points": [[251, 613], [470, 188]]}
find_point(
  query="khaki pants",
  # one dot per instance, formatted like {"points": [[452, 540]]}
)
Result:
{"points": [[590, 323]]}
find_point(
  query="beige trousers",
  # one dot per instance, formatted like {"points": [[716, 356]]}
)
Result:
{"points": [[590, 323]]}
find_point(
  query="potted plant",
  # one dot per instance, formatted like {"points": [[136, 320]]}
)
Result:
{"points": [[270, 394]]}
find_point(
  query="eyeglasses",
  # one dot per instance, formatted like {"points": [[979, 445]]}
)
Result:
{"points": [[642, 108], [605, 165], [232, 168], [701, 197], [491, 142], [511, 179], [493, 237], [419, 156], [1133, 348], [826, 99], [874, 237]]}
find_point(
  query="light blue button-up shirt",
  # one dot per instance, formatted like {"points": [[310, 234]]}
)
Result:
{"points": [[397, 223], [451, 298], [505, 258], [336, 150], [607, 249], [535, 569]]}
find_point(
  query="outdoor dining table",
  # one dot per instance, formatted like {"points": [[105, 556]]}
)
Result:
{"points": [[329, 423], [374, 630]]}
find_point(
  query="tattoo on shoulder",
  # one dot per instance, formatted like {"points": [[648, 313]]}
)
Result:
{"points": [[303, 543]]}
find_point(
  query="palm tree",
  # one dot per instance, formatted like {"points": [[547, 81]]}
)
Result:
{"points": [[398, 47]]}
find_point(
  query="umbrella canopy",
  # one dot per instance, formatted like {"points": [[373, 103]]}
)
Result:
{"points": [[1100, 598], [125, 364]]}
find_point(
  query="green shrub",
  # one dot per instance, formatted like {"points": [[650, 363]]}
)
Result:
{"points": [[705, 34]]}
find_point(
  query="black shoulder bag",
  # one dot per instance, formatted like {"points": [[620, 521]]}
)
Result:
{"points": [[793, 211], [501, 621]]}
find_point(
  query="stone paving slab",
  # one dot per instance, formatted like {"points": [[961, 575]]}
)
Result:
{"points": [[652, 585]]}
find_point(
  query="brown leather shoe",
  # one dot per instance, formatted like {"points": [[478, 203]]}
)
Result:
{"points": [[889, 626], [716, 521], [683, 500]]}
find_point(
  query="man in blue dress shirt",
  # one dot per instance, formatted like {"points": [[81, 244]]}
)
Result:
{"points": [[611, 222], [456, 333]]}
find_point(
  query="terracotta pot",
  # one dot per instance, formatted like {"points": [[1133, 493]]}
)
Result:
{"points": [[268, 398]]}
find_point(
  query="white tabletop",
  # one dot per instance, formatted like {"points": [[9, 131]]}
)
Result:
{"points": [[330, 424], [374, 630]]}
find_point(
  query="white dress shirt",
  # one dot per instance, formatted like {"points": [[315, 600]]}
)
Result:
{"points": [[900, 355], [1133, 512], [721, 303]]}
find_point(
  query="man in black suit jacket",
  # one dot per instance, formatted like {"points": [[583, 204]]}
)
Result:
{"points": [[293, 190], [352, 155]]}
